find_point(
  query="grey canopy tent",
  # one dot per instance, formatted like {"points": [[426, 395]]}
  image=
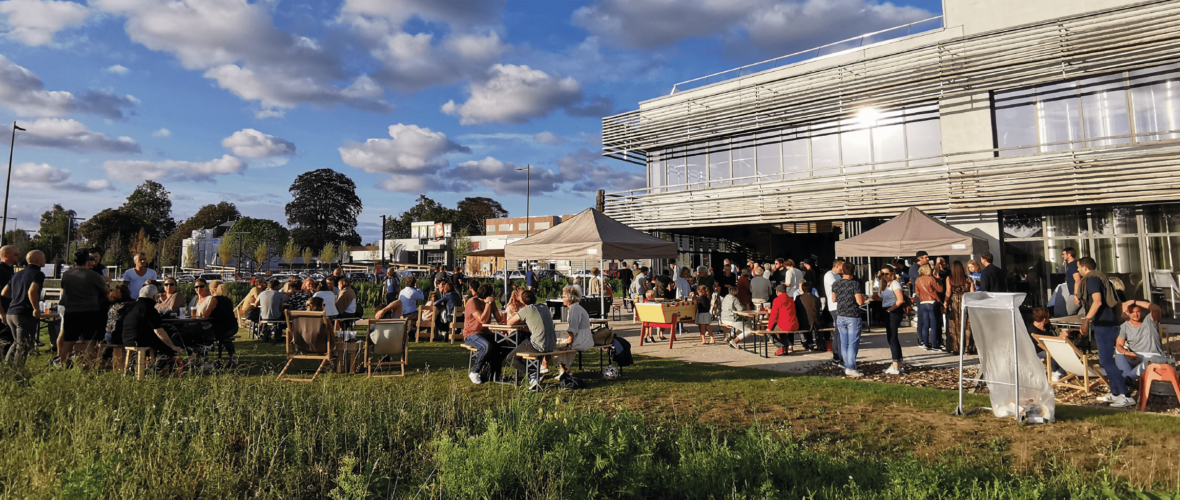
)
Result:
{"points": [[909, 233], [591, 235]]}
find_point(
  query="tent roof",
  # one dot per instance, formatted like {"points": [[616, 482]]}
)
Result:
{"points": [[909, 233], [591, 235]]}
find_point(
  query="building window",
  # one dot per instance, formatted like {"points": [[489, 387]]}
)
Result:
{"points": [[868, 140], [491, 230], [523, 226], [1117, 109], [505, 228], [538, 226]]}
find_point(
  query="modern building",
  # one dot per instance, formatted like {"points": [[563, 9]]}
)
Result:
{"points": [[200, 249], [519, 226], [1039, 125]]}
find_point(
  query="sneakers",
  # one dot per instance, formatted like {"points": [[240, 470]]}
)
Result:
{"points": [[1057, 376], [852, 373], [892, 370], [733, 345], [534, 384], [1122, 402], [780, 352], [1108, 398], [474, 376], [838, 362], [544, 370]]}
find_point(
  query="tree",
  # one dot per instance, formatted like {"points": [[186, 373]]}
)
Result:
{"points": [[473, 213], [206, 217], [324, 208], [113, 254], [425, 210], [307, 256], [190, 256], [226, 249], [151, 206], [261, 232], [141, 244], [262, 255], [461, 246], [328, 254], [21, 240], [51, 238], [110, 222], [290, 253]]}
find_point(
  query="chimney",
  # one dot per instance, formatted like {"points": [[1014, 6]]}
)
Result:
{"points": [[600, 201]]}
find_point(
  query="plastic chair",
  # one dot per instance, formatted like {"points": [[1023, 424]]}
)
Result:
{"points": [[1157, 372]]}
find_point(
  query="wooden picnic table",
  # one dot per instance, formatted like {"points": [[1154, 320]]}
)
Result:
{"points": [[507, 334]]}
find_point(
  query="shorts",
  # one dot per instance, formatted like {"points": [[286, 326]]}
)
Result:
{"points": [[85, 326], [704, 318]]}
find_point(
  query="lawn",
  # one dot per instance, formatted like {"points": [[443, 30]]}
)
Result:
{"points": [[666, 429]]}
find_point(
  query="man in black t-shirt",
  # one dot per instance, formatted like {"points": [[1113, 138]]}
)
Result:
{"points": [[24, 312], [144, 327], [625, 276], [1098, 303], [8, 258]]}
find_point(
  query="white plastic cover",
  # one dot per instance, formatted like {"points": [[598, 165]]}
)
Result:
{"points": [[995, 324]]}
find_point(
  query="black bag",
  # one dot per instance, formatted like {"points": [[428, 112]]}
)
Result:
{"points": [[623, 352], [569, 381]]}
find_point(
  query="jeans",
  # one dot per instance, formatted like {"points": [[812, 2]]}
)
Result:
{"points": [[891, 328], [848, 330], [836, 339], [487, 353], [1106, 336], [928, 331], [24, 331]]}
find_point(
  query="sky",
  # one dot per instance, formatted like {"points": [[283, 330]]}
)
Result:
{"points": [[229, 100]]}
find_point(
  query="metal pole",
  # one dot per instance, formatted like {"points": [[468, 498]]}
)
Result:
{"points": [[1016, 365], [382, 243], [8, 183], [528, 196]]}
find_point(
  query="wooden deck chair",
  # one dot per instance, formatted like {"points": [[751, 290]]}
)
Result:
{"points": [[1077, 366], [455, 328], [387, 337], [309, 336], [426, 321]]}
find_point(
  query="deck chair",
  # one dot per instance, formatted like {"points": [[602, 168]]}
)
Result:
{"points": [[426, 321], [309, 336], [455, 328], [1077, 366], [387, 337]]}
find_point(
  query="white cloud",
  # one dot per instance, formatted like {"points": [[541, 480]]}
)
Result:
{"points": [[236, 44], [118, 69], [514, 94], [44, 176], [254, 144], [548, 138], [73, 135], [22, 92], [587, 172], [163, 132], [504, 178], [412, 150], [775, 26], [136, 171], [35, 22], [414, 61]]}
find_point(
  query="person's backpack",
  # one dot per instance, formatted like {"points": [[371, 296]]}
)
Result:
{"points": [[569, 381], [623, 352]]}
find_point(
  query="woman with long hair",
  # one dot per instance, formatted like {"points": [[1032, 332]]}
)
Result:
{"points": [[515, 302], [956, 285], [893, 301]]}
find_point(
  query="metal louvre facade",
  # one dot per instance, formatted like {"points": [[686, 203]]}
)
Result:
{"points": [[960, 73]]}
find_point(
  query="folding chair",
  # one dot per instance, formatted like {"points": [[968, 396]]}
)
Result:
{"points": [[426, 321], [309, 336], [387, 337], [1076, 364]]}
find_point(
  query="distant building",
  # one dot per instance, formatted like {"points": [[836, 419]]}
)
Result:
{"points": [[204, 242], [518, 226]]}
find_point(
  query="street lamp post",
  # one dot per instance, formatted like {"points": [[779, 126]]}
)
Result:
{"points": [[238, 263], [8, 183], [528, 192]]}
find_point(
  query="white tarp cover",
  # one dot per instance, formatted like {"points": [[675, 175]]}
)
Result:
{"points": [[995, 317]]}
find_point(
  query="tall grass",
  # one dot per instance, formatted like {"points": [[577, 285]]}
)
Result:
{"points": [[72, 434]]}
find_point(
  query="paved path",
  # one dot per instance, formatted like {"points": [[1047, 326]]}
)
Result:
{"points": [[873, 349]]}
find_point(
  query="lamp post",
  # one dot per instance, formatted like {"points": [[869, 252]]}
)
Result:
{"points": [[69, 237], [8, 183], [528, 192], [238, 263]]}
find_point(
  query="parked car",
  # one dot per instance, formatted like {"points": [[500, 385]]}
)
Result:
{"points": [[210, 276]]}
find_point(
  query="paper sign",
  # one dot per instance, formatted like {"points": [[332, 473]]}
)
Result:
{"points": [[958, 246]]}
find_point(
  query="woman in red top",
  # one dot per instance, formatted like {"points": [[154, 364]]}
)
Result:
{"points": [[783, 319]]}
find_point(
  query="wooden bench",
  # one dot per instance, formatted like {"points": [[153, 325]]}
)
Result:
{"points": [[532, 362]]}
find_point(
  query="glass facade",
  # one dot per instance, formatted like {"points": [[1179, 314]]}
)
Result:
{"points": [[1110, 110], [868, 141], [1138, 244]]}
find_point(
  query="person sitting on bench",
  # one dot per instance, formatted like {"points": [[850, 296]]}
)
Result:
{"points": [[783, 319], [143, 326], [1139, 344], [542, 337]]}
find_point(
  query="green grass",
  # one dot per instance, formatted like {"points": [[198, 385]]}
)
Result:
{"points": [[651, 434]]}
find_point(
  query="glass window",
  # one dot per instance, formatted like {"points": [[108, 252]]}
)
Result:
{"points": [[655, 178], [1164, 252], [695, 170], [719, 173], [1119, 258], [1162, 218], [795, 159], [1053, 250], [1016, 122], [1072, 223], [676, 178], [1025, 263], [1022, 225], [743, 163], [769, 158], [856, 149], [825, 149], [1155, 99], [889, 147], [923, 140], [1104, 106], [1114, 220], [1060, 117]]}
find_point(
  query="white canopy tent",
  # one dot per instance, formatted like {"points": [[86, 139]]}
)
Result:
{"points": [[1008, 362]]}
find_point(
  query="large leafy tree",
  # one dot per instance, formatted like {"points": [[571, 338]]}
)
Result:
{"points": [[19, 239], [324, 209], [473, 213], [151, 206], [51, 238], [109, 223], [206, 217], [425, 210], [261, 232]]}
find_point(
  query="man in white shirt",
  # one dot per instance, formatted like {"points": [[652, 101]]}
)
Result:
{"points": [[682, 288], [793, 277], [409, 297], [136, 277], [830, 278]]}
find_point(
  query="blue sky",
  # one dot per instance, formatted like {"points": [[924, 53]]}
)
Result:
{"points": [[231, 100]]}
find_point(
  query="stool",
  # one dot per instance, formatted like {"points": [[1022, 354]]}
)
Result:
{"points": [[616, 312], [142, 355], [1156, 372]]}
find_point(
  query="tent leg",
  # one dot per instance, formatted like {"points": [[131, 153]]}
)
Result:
{"points": [[1016, 365]]}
